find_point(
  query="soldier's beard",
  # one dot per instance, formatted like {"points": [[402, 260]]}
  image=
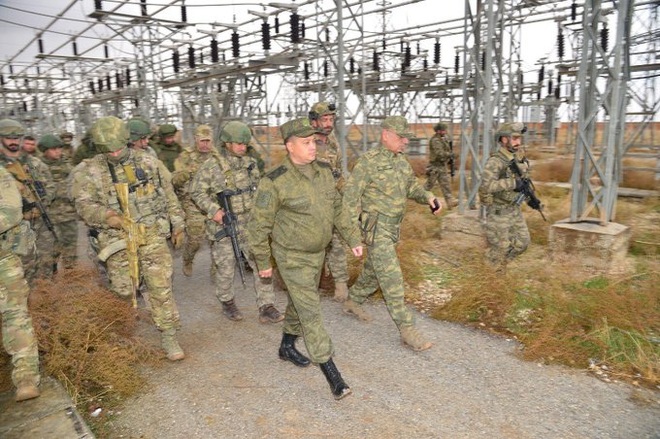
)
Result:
{"points": [[12, 147]]}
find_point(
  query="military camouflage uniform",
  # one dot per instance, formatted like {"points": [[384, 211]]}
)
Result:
{"points": [[375, 195], [86, 150], [16, 238], [26, 169], [186, 166], [505, 227], [167, 153], [440, 154], [297, 207], [153, 204], [62, 213], [222, 172]]}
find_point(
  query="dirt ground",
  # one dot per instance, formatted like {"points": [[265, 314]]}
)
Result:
{"points": [[469, 385]]}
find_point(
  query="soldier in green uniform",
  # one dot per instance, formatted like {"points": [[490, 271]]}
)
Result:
{"points": [[167, 147], [61, 211], [139, 133], [16, 237], [67, 144], [296, 207], [152, 205], [86, 150], [185, 168], [440, 157], [322, 117], [36, 186], [232, 171], [29, 146], [375, 195], [506, 230]]}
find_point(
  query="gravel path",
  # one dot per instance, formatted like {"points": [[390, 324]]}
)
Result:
{"points": [[469, 385]]}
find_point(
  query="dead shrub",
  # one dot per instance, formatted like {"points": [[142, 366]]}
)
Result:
{"points": [[639, 180], [555, 170]]}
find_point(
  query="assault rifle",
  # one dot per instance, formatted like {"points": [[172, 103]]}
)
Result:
{"points": [[452, 167], [230, 228], [528, 192]]}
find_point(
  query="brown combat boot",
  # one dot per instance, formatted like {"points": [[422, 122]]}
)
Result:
{"points": [[354, 308], [270, 314], [187, 268], [341, 292], [413, 339], [26, 390], [232, 312], [171, 345]]}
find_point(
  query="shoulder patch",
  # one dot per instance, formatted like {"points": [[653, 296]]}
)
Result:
{"points": [[277, 172]]}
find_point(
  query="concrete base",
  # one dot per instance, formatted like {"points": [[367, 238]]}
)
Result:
{"points": [[598, 248], [464, 230], [52, 415]]}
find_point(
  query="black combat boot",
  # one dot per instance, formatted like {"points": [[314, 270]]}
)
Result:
{"points": [[337, 384], [288, 351]]}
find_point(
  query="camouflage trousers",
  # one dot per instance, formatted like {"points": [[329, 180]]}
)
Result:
{"points": [[335, 257], [39, 265], [155, 263], [301, 273], [67, 245], [17, 333], [506, 233], [442, 175], [195, 234], [382, 269], [223, 258]]}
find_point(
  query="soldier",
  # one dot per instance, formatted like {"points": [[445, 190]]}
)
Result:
{"points": [[37, 189], [18, 338], [166, 147], [297, 205], [152, 203], [506, 230], [185, 168], [86, 150], [139, 133], [322, 117], [441, 157], [232, 170], [61, 211], [29, 146], [375, 195], [67, 149]]}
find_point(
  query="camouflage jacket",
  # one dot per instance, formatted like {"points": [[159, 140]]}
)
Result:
{"points": [[440, 150], [381, 182], [497, 179], [86, 150], [152, 202], [225, 172], [11, 213], [185, 168], [31, 173], [330, 153], [61, 209], [297, 212], [168, 153]]}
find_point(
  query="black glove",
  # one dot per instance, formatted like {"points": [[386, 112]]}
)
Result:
{"points": [[519, 184]]}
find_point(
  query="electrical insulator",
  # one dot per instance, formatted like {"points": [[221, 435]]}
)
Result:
{"points": [[128, 76], [374, 62], [407, 58], [295, 28], [573, 11], [550, 84], [11, 70], [327, 35], [120, 83], [175, 61], [235, 46], [201, 56], [447, 79], [91, 87], [98, 5], [359, 72], [41, 45], [457, 63], [107, 82], [538, 94], [384, 45], [277, 25], [191, 57], [426, 64], [306, 71], [604, 37], [541, 74], [419, 49], [302, 29], [143, 7], [265, 35], [2, 80], [557, 93], [325, 68], [483, 60], [38, 71], [99, 82], [214, 51], [75, 49], [436, 53], [26, 83], [219, 87], [560, 44], [245, 81], [520, 78], [351, 63], [25, 107], [184, 14]]}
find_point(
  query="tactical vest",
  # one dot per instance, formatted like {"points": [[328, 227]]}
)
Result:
{"points": [[240, 178]]}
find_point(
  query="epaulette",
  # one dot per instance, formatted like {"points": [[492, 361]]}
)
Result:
{"points": [[277, 172]]}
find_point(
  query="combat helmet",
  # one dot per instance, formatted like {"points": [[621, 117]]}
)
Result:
{"points": [[110, 134], [137, 129], [236, 132], [10, 127], [49, 141], [440, 126], [167, 130], [321, 109], [508, 129]]}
